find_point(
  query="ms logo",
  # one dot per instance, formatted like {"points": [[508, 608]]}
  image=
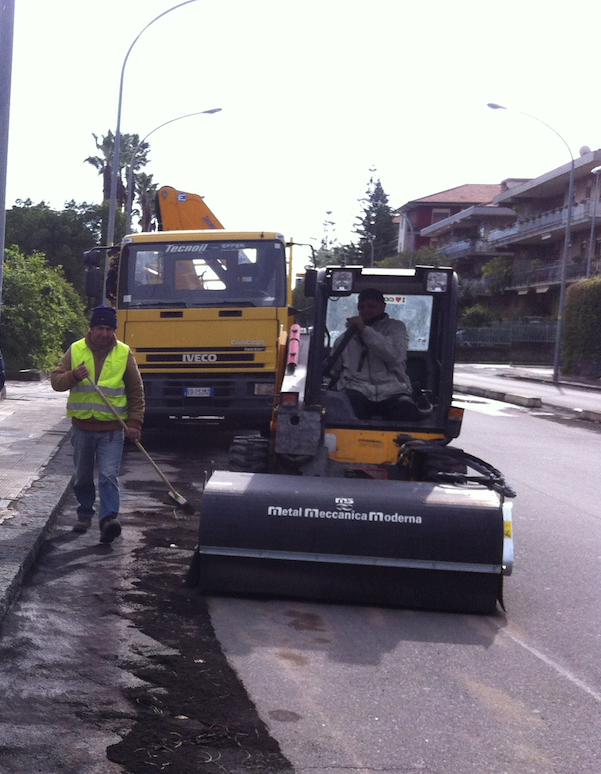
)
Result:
{"points": [[345, 503]]}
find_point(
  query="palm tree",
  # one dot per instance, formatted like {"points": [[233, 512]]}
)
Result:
{"points": [[146, 191], [104, 162], [130, 143]]}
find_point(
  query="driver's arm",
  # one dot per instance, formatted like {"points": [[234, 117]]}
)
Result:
{"points": [[391, 347]]}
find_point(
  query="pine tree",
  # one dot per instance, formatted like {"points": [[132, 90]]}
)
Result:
{"points": [[376, 230]]}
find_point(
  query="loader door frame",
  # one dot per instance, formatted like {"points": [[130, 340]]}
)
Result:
{"points": [[436, 362]]}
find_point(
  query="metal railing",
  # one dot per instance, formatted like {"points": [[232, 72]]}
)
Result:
{"points": [[552, 220], [547, 274], [506, 334], [467, 247]]}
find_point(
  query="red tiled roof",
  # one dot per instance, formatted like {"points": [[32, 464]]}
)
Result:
{"points": [[471, 193]]}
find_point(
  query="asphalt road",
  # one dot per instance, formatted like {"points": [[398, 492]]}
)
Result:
{"points": [[341, 688], [365, 690]]}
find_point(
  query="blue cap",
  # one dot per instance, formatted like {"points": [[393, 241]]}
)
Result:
{"points": [[104, 315], [371, 294]]}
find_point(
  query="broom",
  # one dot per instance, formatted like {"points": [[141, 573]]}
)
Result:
{"points": [[179, 499]]}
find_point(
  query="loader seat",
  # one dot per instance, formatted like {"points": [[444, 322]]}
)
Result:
{"points": [[340, 412]]}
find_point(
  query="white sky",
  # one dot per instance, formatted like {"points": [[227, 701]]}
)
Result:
{"points": [[314, 93]]}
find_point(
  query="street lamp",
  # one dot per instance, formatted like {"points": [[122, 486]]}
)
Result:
{"points": [[370, 238], [132, 164], [110, 236], [408, 222], [566, 244], [591, 242]]}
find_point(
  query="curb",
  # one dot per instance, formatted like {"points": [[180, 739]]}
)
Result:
{"points": [[504, 397], [26, 523], [27, 375], [591, 416], [560, 383]]}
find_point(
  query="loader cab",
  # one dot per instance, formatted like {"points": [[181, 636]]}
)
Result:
{"points": [[425, 299]]}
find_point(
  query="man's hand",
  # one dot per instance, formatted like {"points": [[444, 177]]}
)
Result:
{"points": [[81, 372], [356, 322], [133, 434]]}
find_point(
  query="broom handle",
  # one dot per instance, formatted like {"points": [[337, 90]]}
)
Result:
{"points": [[110, 406]]}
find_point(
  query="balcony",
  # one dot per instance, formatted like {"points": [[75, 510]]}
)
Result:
{"points": [[468, 247], [479, 287], [544, 223], [550, 274], [533, 277]]}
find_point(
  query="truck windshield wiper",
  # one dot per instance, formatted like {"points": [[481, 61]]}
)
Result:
{"points": [[226, 303], [149, 302]]}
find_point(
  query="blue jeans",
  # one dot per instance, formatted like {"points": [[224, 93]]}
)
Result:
{"points": [[104, 449]]}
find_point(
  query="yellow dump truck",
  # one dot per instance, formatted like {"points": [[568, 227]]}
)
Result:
{"points": [[206, 313]]}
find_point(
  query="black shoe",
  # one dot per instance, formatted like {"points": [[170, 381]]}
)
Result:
{"points": [[82, 524], [109, 529]]}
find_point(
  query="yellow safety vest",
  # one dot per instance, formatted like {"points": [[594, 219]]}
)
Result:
{"points": [[84, 402]]}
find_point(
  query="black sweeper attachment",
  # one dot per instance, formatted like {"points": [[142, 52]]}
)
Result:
{"points": [[411, 544]]}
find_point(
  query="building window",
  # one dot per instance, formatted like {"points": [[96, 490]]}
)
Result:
{"points": [[439, 214]]}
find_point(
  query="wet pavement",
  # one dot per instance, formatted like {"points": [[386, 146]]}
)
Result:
{"points": [[36, 465], [35, 473]]}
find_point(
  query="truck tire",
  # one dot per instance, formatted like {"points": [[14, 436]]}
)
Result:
{"points": [[248, 454]]}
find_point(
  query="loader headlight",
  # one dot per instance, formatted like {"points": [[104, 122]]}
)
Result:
{"points": [[437, 282], [342, 281]]}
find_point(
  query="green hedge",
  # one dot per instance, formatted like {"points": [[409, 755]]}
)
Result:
{"points": [[41, 312], [581, 341]]}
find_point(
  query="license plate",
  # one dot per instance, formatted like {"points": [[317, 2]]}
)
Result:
{"points": [[198, 392]]}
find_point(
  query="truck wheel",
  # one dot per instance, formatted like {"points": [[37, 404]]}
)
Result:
{"points": [[248, 454]]}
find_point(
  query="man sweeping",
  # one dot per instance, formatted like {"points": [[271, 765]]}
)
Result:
{"points": [[96, 435]]}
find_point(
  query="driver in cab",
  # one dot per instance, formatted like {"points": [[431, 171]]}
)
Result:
{"points": [[370, 368]]}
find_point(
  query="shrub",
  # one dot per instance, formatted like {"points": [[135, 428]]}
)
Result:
{"points": [[41, 312], [498, 271], [581, 340], [475, 316]]}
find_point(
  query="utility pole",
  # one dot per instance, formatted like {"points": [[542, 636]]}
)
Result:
{"points": [[7, 18]]}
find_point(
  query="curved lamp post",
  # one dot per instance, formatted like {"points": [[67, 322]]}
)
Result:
{"points": [[566, 244], [370, 237], [132, 164], [404, 217], [110, 235]]}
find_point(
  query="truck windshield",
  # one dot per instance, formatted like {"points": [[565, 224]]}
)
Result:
{"points": [[414, 311], [249, 273]]}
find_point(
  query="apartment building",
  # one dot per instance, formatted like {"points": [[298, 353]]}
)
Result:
{"points": [[416, 216], [525, 223]]}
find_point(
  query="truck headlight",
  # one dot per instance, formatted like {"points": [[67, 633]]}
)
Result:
{"points": [[262, 388]]}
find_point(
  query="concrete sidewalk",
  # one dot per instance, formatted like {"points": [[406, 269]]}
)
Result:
{"points": [[35, 474]]}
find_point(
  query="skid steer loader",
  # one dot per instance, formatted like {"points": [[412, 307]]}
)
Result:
{"points": [[335, 508]]}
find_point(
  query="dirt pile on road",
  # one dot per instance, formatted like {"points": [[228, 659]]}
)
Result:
{"points": [[193, 714]]}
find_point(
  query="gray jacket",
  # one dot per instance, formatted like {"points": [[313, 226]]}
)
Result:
{"points": [[373, 362]]}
